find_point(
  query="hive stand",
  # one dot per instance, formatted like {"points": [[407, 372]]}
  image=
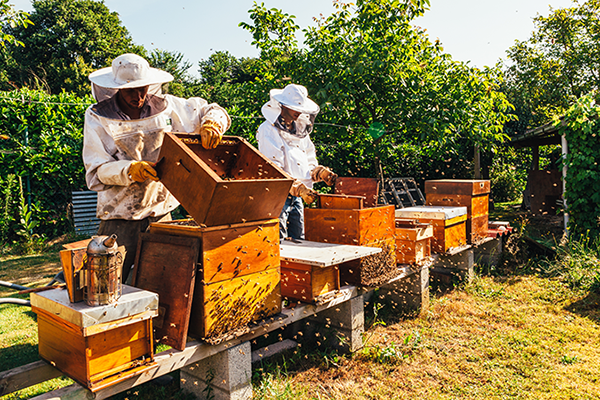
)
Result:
{"points": [[225, 376], [489, 252], [409, 293], [459, 264]]}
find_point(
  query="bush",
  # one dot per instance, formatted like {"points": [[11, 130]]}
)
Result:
{"points": [[41, 143]]}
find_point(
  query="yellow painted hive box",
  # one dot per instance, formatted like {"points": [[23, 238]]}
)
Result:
{"points": [[449, 225]]}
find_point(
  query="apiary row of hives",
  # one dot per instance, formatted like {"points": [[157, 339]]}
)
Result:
{"points": [[221, 270]]}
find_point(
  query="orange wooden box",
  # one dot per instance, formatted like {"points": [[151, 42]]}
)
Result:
{"points": [[372, 227], [232, 183], [99, 355], [306, 283], [413, 241], [238, 279], [473, 194], [449, 228]]}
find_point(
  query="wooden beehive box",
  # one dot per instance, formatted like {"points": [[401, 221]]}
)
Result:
{"points": [[306, 283], [372, 227], [232, 183], [96, 346], [238, 277], [449, 228], [310, 270], [365, 187], [413, 241], [473, 194]]}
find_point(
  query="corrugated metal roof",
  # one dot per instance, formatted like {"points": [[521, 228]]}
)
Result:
{"points": [[84, 212]]}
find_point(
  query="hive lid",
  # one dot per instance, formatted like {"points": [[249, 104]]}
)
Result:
{"points": [[133, 301], [431, 212], [230, 184], [458, 186]]}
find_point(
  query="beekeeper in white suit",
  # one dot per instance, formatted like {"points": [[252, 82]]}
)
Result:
{"points": [[284, 138], [123, 134]]}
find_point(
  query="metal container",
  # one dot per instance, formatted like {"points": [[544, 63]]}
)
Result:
{"points": [[102, 271]]}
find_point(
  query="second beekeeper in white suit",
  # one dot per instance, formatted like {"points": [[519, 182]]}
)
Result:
{"points": [[123, 134], [284, 138]]}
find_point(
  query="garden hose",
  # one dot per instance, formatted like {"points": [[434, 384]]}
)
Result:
{"points": [[19, 302]]}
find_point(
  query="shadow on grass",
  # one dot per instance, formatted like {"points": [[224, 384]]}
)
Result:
{"points": [[18, 355], [587, 307]]}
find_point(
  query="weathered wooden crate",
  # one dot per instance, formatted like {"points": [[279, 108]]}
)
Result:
{"points": [[413, 241], [473, 194], [372, 227], [232, 183], [365, 187], [96, 346], [449, 228], [238, 277], [306, 283], [310, 270]]}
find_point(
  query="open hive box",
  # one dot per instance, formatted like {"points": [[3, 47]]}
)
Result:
{"points": [[449, 229], [226, 257], [473, 194], [413, 241], [232, 183], [342, 219]]}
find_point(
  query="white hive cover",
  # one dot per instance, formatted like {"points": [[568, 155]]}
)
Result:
{"points": [[431, 212]]}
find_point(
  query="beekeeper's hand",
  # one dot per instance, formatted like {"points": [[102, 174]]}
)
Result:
{"points": [[139, 171], [321, 173], [211, 134], [299, 189]]}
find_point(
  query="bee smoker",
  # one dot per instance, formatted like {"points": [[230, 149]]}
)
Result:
{"points": [[102, 271]]}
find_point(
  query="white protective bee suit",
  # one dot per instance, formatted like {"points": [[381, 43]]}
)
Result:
{"points": [[113, 143], [110, 146], [291, 149]]}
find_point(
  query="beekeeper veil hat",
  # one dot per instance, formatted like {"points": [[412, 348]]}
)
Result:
{"points": [[294, 97], [127, 71]]}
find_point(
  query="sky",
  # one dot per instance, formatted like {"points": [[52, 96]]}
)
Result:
{"points": [[474, 31]]}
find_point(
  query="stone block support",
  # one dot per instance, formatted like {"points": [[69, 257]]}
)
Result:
{"points": [[461, 265], [344, 323], [224, 376], [410, 294], [489, 253]]}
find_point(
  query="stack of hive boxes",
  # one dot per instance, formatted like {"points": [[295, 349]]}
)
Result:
{"points": [[343, 219], [234, 195], [473, 194]]}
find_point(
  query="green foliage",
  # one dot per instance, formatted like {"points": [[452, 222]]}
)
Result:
{"points": [[173, 63], [67, 41], [11, 18], [508, 175], [577, 263], [557, 64], [368, 64], [581, 127], [42, 145]]}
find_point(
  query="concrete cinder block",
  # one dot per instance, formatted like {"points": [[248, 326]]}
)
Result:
{"points": [[224, 376], [461, 265], [489, 252], [410, 294], [347, 321]]}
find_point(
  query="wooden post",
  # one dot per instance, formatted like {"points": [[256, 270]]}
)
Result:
{"points": [[477, 162]]}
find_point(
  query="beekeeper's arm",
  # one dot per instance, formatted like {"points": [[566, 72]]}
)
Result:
{"points": [[195, 115], [318, 172]]}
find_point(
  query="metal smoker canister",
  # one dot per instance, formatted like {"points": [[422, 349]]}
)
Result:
{"points": [[102, 271]]}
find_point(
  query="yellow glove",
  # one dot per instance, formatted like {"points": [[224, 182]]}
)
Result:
{"points": [[321, 173], [139, 171], [299, 189], [211, 134]]}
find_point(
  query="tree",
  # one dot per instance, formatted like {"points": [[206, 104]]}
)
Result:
{"points": [[560, 62], [173, 63], [67, 41], [368, 66], [11, 18]]}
